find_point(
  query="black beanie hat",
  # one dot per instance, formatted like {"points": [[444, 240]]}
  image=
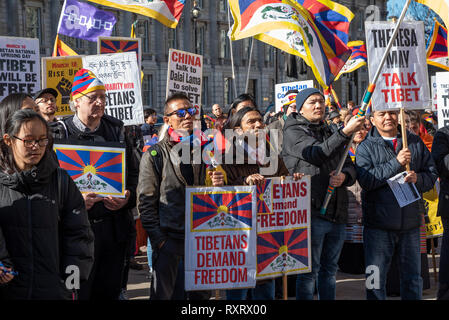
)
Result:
{"points": [[302, 96]]}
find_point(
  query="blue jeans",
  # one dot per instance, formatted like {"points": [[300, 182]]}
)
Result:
{"points": [[264, 291], [327, 239], [379, 247]]}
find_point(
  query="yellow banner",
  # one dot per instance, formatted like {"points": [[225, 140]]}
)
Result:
{"points": [[434, 227], [58, 73]]}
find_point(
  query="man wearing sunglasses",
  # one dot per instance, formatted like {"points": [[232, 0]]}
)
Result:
{"points": [[161, 199], [110, 217]]}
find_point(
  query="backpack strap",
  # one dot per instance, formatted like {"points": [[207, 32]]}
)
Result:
{"points": [[63, 185]]}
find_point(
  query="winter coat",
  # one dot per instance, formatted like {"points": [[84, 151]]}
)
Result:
{"points": [[42, 237], [161, 192], [110, 130], [315, 150], [440, 154], [376, 163]]}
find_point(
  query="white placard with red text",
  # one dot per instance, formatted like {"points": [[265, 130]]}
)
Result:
{"points": [[403, 81], [20, 66], [220, 238], [185, 74]]}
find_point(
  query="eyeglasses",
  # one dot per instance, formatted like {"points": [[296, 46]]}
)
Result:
{"points": [[92, 99], [43, 100], [30, 143], [181, 113]]}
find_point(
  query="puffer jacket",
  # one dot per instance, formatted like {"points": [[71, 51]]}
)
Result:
{"points": [[161, 195], [315, 150], [376, 163], [440, 154], [41, 237]]}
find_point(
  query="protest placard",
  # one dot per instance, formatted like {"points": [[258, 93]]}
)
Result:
{"points": [[120, 44], [19, 65], [442, 80], [185, 74], [434, 226], [220, 240], [282, 88], [121, 77], [433, 82], [58, 73], [403, 81], [283, 227], [100, 170]]}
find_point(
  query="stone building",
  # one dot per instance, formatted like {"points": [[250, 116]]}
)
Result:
{"points": [[39, 19]]}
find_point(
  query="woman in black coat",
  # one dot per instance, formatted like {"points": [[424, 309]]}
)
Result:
{"points": [[42, 215]]}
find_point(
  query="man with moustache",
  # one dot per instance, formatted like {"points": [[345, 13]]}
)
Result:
{"points": [[46, 101]]}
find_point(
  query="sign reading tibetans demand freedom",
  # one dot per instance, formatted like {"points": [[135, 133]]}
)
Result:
{"points": [[120, 74], [283, 227], [442, 80], [185, 74], [220, 241], [58, 73], [282, 88], [403, 81], [19, 65], [100, 170]]}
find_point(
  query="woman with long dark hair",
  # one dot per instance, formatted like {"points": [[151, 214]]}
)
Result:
{"points": [[42, 214], [14, 102]]}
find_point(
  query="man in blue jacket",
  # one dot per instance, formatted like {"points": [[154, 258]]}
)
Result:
{"points": [[387, 226]]}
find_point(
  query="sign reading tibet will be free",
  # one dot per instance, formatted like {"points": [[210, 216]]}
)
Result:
{"points": [[19, 65], [120, 74], [403, 81], [442, 83], [185, 74]]}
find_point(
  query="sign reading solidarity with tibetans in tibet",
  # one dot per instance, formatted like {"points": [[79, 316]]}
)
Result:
{"points": [[282, 88], [185, 74], [121, 76], [403, 81], [19, 65], [100, 170], [220, 245], [58, 73], [283, 227], [442, 80]]}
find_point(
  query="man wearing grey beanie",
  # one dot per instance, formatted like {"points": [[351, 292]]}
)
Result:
{"points": [[312, 148]]}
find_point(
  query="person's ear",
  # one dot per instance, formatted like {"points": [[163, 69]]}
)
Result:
{"points": [[7, 139]]}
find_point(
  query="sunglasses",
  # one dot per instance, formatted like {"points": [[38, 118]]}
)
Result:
{"points": [[181, 113]]}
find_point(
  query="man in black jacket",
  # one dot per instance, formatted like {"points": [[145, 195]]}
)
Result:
{"points": [[387, 226], [163, 177], [440, 153], [110, 217], [310, 147]]}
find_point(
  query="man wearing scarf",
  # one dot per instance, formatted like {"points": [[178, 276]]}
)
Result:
{"points": [[165, 171]]}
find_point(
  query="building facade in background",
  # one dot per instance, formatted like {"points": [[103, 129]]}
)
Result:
{"points": [[206, 35]]}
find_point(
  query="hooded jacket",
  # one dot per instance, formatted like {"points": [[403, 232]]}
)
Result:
{"points": [[41, 237], [315, 150], [376, 162]]}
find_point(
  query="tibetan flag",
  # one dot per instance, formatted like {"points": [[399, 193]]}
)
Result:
{"points": [[279, 252], [167, 12], [222, 210], [437, 51], [264, 193], [100, 170], [61, 49], [441, 8], [84, 21], [290, 27], [357, 59]]}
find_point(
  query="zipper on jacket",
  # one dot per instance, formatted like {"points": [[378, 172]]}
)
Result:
{"points": [[30, 233]]}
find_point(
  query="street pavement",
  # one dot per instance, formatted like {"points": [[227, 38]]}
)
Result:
{"points": [[349, 286]]}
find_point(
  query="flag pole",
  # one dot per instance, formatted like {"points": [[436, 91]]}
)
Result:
{"points": [[249, 64], [366, 99], [232, 53]]}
